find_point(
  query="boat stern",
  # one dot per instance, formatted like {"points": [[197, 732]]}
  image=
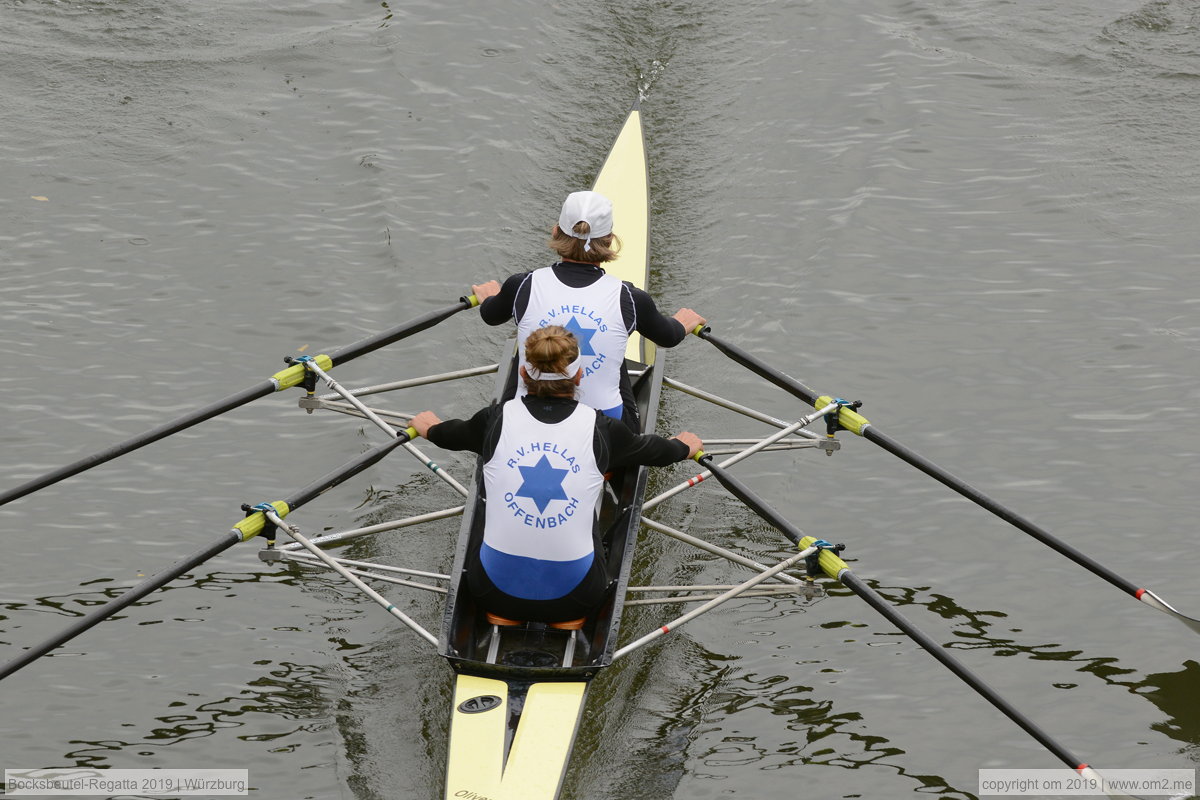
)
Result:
{"points": [[510, 740]]}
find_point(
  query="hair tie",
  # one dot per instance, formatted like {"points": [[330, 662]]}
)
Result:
{"points": [[536, 374]]}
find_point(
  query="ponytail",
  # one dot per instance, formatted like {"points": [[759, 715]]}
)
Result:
{"points": [[552, 349]]}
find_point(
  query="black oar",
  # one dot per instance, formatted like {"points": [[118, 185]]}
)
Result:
{"points": [[245, 529], [836, 568], [851, 420], [292, 376]]}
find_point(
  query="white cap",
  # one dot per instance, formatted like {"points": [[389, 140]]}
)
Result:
{"points": [[591, 207]]}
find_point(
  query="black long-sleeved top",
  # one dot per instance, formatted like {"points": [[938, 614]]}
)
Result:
{"points": [[638, 308], [614, 444]]}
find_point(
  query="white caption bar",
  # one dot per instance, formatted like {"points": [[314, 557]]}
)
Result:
{"points": [[1067, 783], [107, 782]]}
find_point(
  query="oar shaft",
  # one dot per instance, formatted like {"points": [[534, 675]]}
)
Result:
{"points": [[764, 510], [262, 389], [752, 500], [873, 598], [868, 431], [758, 446], [852, 582], [162, 431], [101, 613], [761, 368], [245, 529], [347, 470], [1004, 513], [424, 322]]}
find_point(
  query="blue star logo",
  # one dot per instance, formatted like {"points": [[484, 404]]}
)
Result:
{"points": [[543, 483], [583, 336]]}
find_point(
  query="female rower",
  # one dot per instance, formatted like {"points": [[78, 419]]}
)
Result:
{"points": [[598, 308], [545, 455]]}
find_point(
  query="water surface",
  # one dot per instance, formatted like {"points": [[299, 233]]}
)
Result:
{"points": [[975, 217]]}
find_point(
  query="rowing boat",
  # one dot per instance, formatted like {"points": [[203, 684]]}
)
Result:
{"points": [[520, 691]]}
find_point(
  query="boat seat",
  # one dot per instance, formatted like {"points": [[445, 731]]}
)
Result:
{"points": [[567, 625], [573, 626]]}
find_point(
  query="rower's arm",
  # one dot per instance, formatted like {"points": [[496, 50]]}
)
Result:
{"points": [[627, 448], [664, 331], [462, 434], [498, 309]]}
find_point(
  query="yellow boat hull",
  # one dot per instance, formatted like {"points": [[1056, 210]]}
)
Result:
{"points": [[489, 762]]}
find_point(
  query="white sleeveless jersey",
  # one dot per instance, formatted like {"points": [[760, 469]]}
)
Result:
{"points": [[593, 314], [542, 487]]}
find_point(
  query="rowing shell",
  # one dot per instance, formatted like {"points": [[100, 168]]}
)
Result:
{"points": [[519, 691]]}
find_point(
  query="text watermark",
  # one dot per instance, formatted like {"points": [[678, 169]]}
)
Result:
{"points": [[107, 782], [1069, 783]]}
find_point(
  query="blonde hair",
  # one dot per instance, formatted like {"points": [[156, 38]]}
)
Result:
{"points": [[551, 349], [603, 248]]}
